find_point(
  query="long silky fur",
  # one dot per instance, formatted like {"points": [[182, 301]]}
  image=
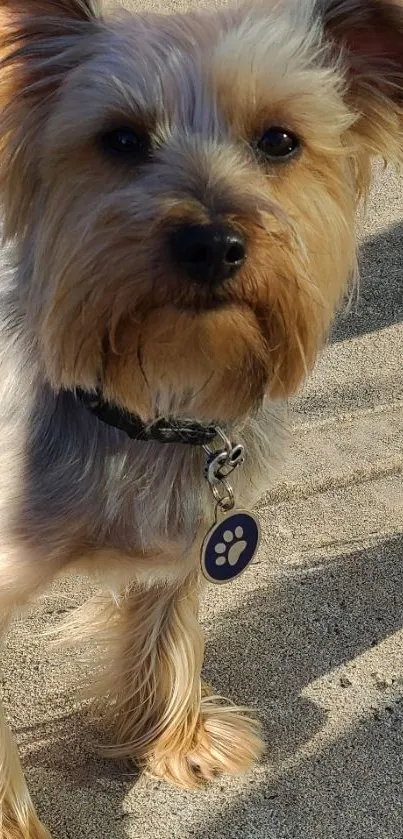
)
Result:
{"points": [[90, 294]]}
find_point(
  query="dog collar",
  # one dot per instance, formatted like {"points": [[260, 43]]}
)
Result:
{"points": [[183, 431], [231, 543]]}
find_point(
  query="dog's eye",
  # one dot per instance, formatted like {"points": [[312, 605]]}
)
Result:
{"points": [[278, 144], [126, 143]]}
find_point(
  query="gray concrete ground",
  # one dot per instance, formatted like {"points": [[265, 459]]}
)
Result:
{"points": [[312, 635]]}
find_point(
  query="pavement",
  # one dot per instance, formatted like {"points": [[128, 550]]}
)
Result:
{"points": [[311, 635]]}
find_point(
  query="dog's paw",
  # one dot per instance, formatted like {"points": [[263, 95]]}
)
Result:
{"points": [[227, 740]]}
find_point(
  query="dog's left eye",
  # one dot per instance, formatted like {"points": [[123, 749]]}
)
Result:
{"points": [[278, 144], [126, 143]]}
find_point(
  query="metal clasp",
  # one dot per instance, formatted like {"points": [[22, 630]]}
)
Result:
{"points": [[219, 466]]}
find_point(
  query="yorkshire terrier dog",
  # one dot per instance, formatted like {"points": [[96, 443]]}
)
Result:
{"points": [[179, 195]]}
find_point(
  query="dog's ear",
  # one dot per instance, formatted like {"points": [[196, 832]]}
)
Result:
{"points": [[73, 9], [368, 37], [40, 42]]}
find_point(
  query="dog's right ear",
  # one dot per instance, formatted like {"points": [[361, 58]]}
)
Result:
{"points": [[40, 42]]}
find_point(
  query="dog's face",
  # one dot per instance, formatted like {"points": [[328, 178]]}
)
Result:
{"points": [[186, 189]]}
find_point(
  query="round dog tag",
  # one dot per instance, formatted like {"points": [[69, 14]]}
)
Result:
{"points": [[230, 546]]}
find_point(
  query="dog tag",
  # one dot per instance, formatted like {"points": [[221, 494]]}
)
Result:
{"points": [[230, 546]]}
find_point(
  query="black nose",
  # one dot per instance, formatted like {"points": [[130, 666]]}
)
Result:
{"points": [[209, 253]]}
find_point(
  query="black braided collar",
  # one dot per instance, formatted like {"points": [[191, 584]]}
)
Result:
{"points": [[161, 431]]}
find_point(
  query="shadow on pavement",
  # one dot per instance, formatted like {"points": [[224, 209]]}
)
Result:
{"points": [[307, 624], [283, 640], [380, 300], [350, 790]]}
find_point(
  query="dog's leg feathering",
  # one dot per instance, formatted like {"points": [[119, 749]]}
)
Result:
{"points": [[155, 701], [18, 819]]}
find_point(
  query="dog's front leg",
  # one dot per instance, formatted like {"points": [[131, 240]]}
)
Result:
{"points": [[161, 717], [18, 819], [22, 575]]}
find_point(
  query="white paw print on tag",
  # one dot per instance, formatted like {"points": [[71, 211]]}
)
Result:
{"points": [[232, 548]]}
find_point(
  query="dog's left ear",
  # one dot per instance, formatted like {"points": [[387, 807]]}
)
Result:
{"points": [[368, 37]]}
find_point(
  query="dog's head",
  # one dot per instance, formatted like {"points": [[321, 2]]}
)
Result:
{"points": [[185, 188]]}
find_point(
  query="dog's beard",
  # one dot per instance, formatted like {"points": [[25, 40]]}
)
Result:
{"points": [[209, 366], [216, 363]]}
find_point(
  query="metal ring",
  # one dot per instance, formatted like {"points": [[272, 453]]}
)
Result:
{"points": [[227, 501]]}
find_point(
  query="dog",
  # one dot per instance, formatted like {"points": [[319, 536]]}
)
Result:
{"points": [[179, 197]]}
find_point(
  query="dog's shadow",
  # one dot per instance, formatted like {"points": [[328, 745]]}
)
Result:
{"points": [[264, 650]]}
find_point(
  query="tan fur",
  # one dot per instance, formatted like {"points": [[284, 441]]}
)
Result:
{"points": [[96, 298]]}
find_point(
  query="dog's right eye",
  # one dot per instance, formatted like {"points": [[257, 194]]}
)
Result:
{"points": [[126, 143]]}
